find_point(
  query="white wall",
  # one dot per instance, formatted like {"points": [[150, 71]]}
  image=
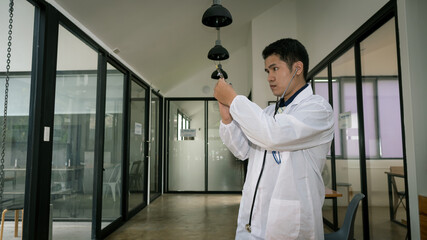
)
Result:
{"points": [[276, 23], [21, 48], [413, 37], [323, 25]]}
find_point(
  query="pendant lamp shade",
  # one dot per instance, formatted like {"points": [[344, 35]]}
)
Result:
{"points": [[217, 16], [215, 74], [218, 53]]}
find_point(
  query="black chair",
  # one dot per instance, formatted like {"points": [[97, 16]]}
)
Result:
{"points": [[346, 232], [398, 196], [135, 176]]}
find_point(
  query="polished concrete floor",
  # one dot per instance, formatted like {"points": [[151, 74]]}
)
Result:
{"points": [[204, 216], [214, 216], [184, 216]]}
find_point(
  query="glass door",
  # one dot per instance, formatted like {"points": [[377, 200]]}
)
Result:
{"points": [[186, 146], [155, 152], [113, 147], [137, 144], [73, 137], [198, 161]]}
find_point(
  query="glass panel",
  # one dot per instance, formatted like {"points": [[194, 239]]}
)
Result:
{"points": [[14, 161], [383, 134], [187, 156], [320, 86], [137, 140], [225, 172], [113, 144], [389, 118], [73, 135], [347, 159], [155, 181]]}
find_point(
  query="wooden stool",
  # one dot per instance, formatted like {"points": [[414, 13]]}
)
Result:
{"points": [[16, 209], [349, 189]]}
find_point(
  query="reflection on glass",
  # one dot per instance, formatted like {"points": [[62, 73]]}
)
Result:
{"points": [[112, 165], [73, 134], [155, 181], [225, 172], [186, 154], [137, 158], [13, 169], [383, 134]]}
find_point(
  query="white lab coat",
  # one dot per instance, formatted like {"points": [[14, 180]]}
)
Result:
{"points": [[290, 195]]}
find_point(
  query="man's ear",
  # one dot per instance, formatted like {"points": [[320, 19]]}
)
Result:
{"points": [[300, 66]]}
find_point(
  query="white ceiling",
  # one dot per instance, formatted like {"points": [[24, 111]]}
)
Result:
{"points": [[164, 41]]}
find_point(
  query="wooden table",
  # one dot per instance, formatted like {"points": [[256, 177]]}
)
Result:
{"points": [[329, 193]]}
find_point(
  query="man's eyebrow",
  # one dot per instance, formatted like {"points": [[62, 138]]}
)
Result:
{"points": [[270, 66]]}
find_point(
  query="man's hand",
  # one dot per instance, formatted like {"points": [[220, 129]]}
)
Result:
{"points": [[224, 92], [224, 111]]}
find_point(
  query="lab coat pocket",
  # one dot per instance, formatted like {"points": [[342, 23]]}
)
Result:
{"points": [[283, 219]]}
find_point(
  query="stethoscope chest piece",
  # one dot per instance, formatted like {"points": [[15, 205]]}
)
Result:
{"points": [[248, 227]]}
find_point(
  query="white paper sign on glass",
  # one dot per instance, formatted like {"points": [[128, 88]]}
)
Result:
{"points": [[344, 120]]}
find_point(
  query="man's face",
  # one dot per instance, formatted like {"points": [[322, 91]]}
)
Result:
{"points": [[279, 74]]}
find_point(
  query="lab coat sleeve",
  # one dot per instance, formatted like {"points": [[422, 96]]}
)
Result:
{"points": [[233, 137], [309, 124]]}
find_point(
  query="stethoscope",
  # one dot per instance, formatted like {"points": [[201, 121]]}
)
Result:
{"points": [[278, 159]]}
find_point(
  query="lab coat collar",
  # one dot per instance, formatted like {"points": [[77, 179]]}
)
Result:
{"points": [[284, 103]]}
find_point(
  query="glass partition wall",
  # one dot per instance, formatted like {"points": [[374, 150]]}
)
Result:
{"points": [[73, 155], [347, 158], [137, 147], [383, 133], [14, 161], [53, 121], [361, 82]]}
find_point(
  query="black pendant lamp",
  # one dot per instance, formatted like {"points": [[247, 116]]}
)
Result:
{"points": [[216, 75], [218, 52], [217, 16]]}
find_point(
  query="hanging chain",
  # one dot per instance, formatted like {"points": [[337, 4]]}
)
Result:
{"points": [[6, 96]]}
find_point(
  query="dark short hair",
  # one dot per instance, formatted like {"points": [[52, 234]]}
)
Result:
{"points": [[290, 51]]}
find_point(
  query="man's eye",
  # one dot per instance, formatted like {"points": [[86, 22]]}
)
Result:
{"points": [[275, 68]]}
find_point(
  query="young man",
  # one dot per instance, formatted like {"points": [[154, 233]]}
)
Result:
{"points": [[286, 146]]}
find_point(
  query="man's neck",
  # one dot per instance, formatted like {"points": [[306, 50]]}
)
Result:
{"points": [[298, 86]]}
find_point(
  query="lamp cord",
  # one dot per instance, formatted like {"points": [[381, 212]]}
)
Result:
{"points": [[6, 96]]}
